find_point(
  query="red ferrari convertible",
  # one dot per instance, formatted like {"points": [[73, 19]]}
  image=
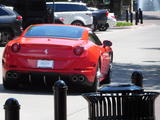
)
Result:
{"points": [[45, 53]]}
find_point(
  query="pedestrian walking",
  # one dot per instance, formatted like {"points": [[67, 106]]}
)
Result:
{"points": [[140, 15]]}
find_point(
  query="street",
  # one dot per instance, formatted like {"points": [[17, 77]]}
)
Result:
{"points": [[135, 49]]}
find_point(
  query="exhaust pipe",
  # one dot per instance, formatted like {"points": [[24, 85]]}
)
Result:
{"points": [[74, 78], [15, 75], [9, 75], [12, 75], [81, 78]]}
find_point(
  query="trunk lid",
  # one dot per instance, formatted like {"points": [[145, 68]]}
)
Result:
{"points": [[47, 53], [48, 48]]}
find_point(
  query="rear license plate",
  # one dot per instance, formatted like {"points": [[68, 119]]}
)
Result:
{"points": [[45, 64]]}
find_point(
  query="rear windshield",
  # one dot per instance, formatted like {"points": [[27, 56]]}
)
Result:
{"points": [[55, 31], [68, 7], [3, 12], [6, 11]]}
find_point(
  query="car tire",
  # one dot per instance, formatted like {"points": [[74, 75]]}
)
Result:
{"points": [[107, 79], [103, 27], [96, 84], [5, 36], [9, 85], [108, 76], [79, 23]]}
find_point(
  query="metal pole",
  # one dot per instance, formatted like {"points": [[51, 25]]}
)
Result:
{"points": [[137, 78], [126, 15], [60, 100], [141, 16], [136, 18], [11, 109], [53, 11], [131, 17]]}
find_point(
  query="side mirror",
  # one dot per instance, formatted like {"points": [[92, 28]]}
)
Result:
{"points": [[107, 43]]}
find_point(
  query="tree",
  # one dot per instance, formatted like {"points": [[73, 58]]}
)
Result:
{"points": [[8, 2]]}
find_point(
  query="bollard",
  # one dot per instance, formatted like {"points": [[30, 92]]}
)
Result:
{"points": [[60, 101], [11, 109], [136, 18], [141, 16], [137, 78], [131, 17], [126, 15]]}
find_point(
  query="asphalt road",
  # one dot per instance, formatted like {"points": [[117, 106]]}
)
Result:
{"points": [[136, 48]]}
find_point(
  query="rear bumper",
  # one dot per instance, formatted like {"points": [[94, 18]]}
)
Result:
{"points": [[111, 22], [48, 78], [100, 20]]}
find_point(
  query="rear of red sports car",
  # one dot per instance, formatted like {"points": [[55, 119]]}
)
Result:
{"points": [[39, 59]]}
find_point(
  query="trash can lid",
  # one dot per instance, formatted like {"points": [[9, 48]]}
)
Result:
{"points": [[120, 87]]}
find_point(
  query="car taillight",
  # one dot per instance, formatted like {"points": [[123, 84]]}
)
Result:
{"points": [[61, 19], [15, 47], [113, 17], [78, 50], [19, 17], [107, 13]]}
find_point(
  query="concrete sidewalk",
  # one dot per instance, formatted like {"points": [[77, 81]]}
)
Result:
{"points": [[147, 17]]}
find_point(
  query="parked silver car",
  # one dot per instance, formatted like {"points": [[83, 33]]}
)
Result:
{"points": [[74, 13]]}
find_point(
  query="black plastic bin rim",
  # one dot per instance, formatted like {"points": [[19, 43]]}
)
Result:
{"points": [[123, 87], [130, 94]]}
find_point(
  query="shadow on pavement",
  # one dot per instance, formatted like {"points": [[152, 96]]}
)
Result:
{"points": [[151, 74], [151, 15], [151, 48], [36, 91], [25, 91]]}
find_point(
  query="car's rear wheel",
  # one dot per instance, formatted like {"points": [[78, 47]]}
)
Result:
{"points": [[108, 76], [79, 23], [103, 27], [5, 36], [96, 84]]}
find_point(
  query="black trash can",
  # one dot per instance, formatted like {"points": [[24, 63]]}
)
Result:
{"points": [[121, 102]]}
